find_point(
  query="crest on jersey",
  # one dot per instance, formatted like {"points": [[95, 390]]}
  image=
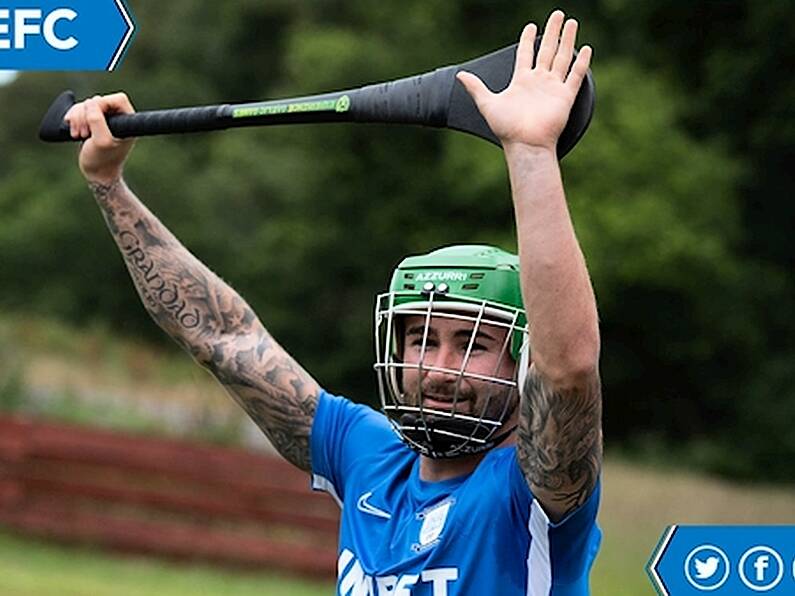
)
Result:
{"points": [[433, 521]]}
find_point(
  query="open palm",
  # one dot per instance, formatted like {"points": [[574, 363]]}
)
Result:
{"points": [[534, 108]]}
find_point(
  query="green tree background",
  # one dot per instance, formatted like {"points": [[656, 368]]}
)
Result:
{"points": [[680, 193]]}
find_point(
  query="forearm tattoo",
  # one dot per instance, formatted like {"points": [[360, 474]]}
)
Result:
{"points": [[211, 321], [560, 442]]}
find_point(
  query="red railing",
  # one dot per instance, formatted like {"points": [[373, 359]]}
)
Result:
{"points": [[163, 497]]}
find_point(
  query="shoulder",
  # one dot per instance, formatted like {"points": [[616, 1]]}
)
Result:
{"points": [[499, 476], [339, 414], [503, 463], [344, 431], [349, 442]]}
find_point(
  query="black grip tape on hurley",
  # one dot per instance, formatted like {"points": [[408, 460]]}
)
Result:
{"points": [[420, 99], [180, 120], [54, 129]]}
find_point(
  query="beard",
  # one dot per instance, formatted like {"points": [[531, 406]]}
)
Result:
{"points": [[491, 401]]}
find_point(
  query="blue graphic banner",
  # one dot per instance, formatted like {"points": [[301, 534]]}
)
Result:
{"points": [[724, 561], [64, 34]]}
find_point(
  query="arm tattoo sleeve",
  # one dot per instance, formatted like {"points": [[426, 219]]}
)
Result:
{"points": [[212, 322], [560, 442]]}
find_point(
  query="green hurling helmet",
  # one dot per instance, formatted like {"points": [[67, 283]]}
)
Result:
{"points": [[476, 288]]}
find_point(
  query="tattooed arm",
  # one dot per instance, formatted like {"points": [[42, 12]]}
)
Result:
{"points": [[189, 302], [560, 434]]}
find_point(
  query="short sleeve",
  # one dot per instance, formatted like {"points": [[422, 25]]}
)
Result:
{"points": [[565, 550], [341, 432], [561, 553]]}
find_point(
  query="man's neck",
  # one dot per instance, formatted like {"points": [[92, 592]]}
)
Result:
{"points": [[436, 470]]}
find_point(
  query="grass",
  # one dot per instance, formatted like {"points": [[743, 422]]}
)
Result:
{"points": [[34, 568]]}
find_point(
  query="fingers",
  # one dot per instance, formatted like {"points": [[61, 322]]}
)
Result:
{"points": [[117, 103], [97, 123], [549, 43], [82, 117], [83, 123], [527, 46], [579, 69], [562, 62], [475, 87], [76, 117]]}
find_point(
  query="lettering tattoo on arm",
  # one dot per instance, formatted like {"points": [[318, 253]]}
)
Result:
{"points": [[560, 442], [212, 322]]}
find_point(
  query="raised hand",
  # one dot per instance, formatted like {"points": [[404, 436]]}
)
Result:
{"points": [[534, 108]]}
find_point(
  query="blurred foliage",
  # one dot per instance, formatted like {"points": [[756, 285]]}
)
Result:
{"points": [[679, 191], [12, 385], [89, 375]]}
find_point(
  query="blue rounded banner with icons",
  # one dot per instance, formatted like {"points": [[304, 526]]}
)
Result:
{"points": [[724, 560], [64, 34]]}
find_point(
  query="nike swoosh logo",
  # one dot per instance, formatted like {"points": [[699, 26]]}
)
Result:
{"points": [[365, 507]]}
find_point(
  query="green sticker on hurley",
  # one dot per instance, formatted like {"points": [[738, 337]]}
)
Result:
{"points": [[343, 104]]}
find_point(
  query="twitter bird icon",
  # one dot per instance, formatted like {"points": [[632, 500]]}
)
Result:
{"points": [[706, 569]]}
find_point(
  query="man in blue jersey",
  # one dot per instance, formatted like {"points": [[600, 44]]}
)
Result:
{"points": [[483, 477]]}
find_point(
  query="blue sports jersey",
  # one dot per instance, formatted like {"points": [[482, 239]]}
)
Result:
{"points": [[479, 534]]}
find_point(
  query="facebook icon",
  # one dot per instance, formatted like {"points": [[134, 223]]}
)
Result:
{"points": [[760, 565], [761, 568]]}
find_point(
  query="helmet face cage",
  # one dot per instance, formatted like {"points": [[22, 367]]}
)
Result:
{"points": [[446, 433]]}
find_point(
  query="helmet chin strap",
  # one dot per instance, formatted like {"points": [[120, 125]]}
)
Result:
{"points": [[419, 429]]}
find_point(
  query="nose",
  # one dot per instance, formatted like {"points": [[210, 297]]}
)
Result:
{"points": [[443, 358]]}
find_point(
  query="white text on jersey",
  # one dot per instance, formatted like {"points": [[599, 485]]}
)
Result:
{"points": [[354, 582]]}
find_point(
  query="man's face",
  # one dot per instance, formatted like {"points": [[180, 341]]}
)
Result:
{"points": [[446, 347]]}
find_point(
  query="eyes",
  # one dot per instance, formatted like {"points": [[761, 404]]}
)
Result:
{"points": [[432, 343], [448, 339]]}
